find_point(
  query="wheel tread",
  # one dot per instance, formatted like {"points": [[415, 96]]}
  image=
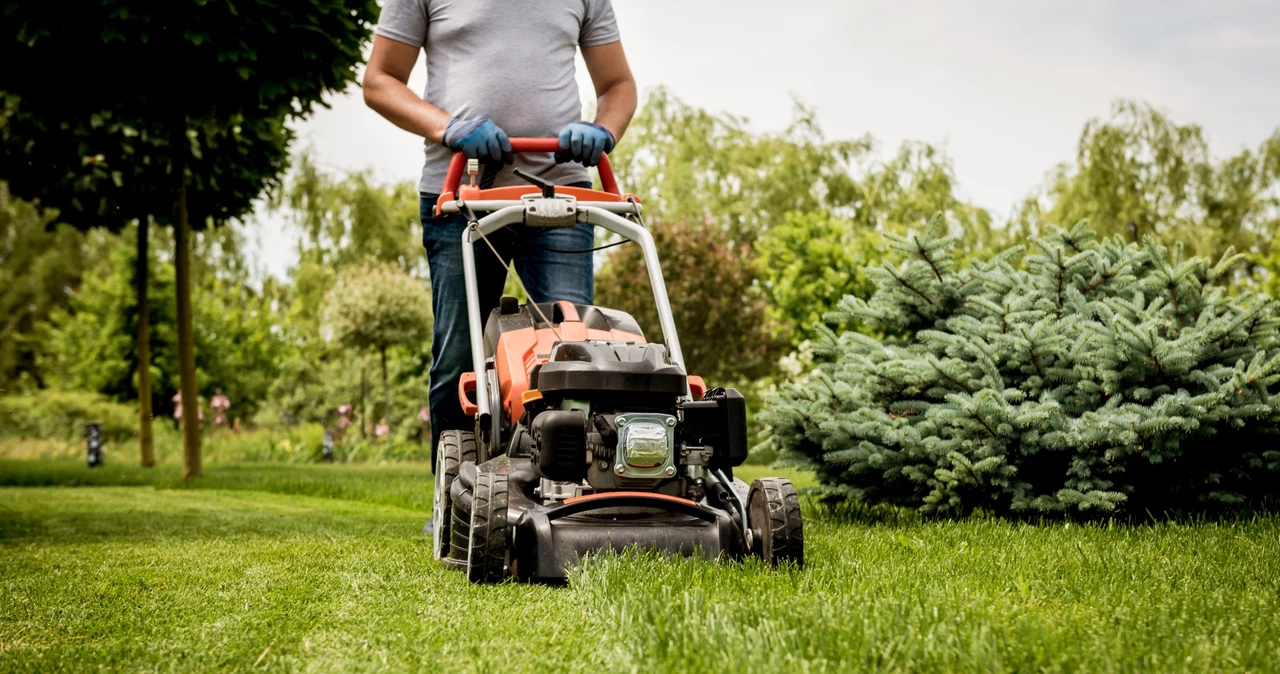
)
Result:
{"points": [[487, 551], [456, 447], [784, 535]]}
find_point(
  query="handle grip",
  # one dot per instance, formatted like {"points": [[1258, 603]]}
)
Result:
{"points": [[453, 178]]}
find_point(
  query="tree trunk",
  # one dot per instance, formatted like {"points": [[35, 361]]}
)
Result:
{"points": [[191, 463], [386, 390], [364, 387], [141, 279]]}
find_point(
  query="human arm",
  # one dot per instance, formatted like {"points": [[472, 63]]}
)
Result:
{"points": [[615, 86], [386, 90], [615, 104]]}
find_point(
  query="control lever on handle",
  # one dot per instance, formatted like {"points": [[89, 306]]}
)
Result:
{"points": [[548, 188]]}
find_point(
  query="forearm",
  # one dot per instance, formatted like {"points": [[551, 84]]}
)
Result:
{"points": [[392, 99], [615, 107]]}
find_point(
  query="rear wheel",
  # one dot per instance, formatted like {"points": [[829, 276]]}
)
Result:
{"points": [[487, 551], [454, 448], [773, 512]]}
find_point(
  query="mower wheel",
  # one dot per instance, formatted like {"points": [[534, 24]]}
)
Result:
{"points": [[454, 448], [773, 514], [487, 552]]}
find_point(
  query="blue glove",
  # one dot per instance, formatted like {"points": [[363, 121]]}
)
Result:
{"points": [[584, 142], [478, 139]]}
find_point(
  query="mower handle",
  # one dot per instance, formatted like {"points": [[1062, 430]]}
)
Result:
{"points": [[453, 178]]}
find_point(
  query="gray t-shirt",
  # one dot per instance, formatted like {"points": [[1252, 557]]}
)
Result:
{"points": [[511, 61]]}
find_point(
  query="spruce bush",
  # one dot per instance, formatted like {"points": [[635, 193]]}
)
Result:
{"points": [[1079, 376]]}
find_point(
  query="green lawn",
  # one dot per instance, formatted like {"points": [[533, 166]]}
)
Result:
{"points": [[325, 568]]}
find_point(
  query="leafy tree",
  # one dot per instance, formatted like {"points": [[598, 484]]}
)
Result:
{"points": [[1139, 173], [202, 133], [812, 208], [810, 261], [719, 310], [692, 165], [39, 267], [910, 187], [1102, 376], [239, 348], [351, 219], [377, 308]]}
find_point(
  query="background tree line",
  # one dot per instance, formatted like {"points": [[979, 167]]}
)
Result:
{"points": [[762, 236]]}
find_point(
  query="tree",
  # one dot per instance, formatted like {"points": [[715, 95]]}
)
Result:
{"points": [[692, 165], [40, 264], [1139, 173], [1103, 376], [810, 261], [87, 346], [811, 208], [719, 311], [203, 132], [376, 308], [351, 219]]}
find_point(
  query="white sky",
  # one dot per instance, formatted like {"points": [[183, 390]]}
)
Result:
{"points": [[1004, 85]]}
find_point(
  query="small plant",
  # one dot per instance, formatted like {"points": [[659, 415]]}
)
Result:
{"points": [[1094, 377]]}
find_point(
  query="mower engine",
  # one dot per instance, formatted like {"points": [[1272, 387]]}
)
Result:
{"points": [[609, 416]]}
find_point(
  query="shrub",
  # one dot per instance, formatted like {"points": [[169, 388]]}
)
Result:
{"points": [[63, 415], [1093, 378]]}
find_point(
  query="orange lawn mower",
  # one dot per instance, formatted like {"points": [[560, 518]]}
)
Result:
{"points": [[587, 437]]}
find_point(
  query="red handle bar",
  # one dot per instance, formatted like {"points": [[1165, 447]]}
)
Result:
{"points": [[454, 177]]}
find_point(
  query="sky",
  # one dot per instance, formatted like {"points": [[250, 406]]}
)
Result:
{"points": [[1005, 86]]}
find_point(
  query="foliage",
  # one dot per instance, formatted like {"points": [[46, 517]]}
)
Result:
{"points": [[310, 388], [328, 556], [1102, 376], [378, 307], [220, 83], [719, 312], [910, 187], [40, 264], [64, 414], [351, 219], [1139, 173], [810, 261], [811, 208], [690, 164], [89, 346]]}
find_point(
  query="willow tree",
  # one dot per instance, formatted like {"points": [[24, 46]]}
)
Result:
{"points": [[178, 114]]}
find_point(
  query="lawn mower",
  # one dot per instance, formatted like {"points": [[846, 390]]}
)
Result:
{"points": [[587, 437]]}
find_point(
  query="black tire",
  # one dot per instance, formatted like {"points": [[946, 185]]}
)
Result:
{"points": [[460, 526], [773, 514], [487, 552], [454, 448]]}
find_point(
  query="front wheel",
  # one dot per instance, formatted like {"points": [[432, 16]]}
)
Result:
{"points": [[455, 447], [773, 512], [487, 550]]}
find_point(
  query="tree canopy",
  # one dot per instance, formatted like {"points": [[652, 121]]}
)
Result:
{"points": [[1139, 173]]}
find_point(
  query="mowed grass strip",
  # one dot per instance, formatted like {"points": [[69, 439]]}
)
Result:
{"points": [[187, 579]]}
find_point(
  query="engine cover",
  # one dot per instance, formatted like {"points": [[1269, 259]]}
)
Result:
{"points": [[594, 366]]}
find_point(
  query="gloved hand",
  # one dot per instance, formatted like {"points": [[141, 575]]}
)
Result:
{"points": [[478, 139], [584, 142]]}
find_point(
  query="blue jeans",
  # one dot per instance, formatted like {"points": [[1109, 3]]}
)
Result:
{"points": [[548, 276]]}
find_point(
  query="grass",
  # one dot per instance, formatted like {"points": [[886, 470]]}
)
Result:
{"points": [[325, 568]]}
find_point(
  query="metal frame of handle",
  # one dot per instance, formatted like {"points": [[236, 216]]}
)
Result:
{"points": [[507, 213]]}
